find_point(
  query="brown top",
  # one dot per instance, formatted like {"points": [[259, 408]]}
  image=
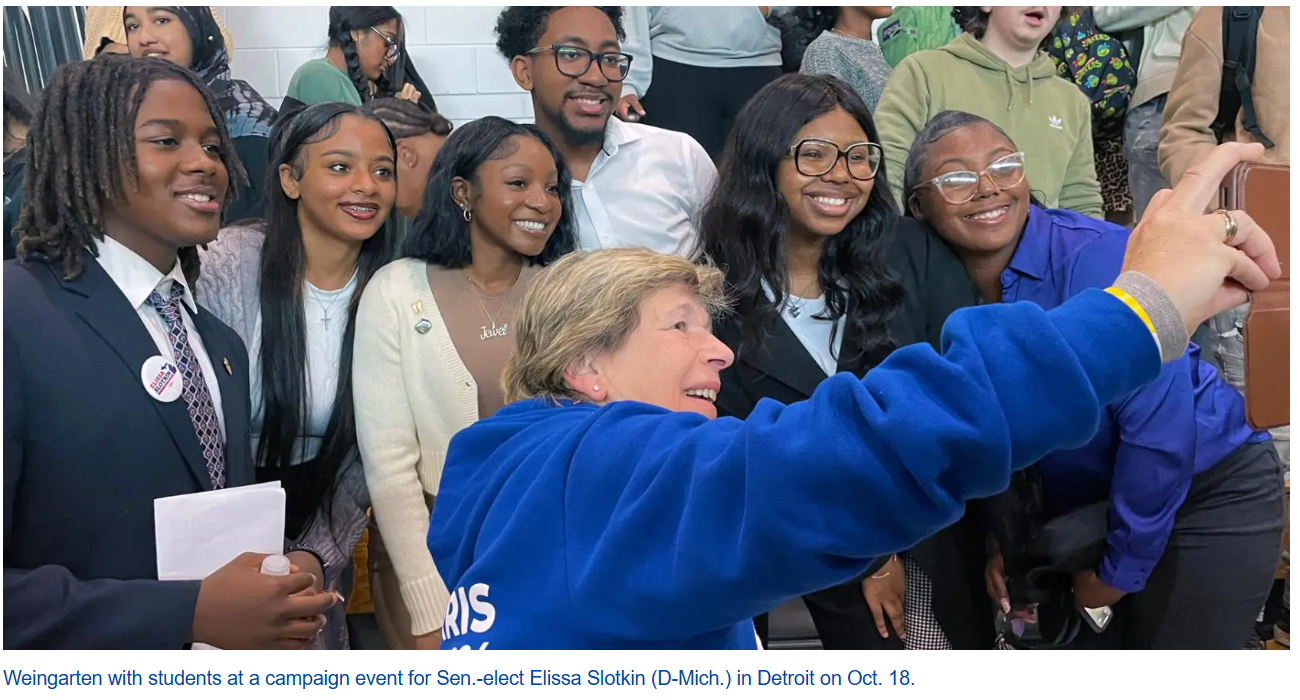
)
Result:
{"points": [[1186, 138], [481, 326]]}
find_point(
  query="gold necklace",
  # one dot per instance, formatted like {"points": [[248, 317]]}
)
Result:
{"points": [[495, 331]]}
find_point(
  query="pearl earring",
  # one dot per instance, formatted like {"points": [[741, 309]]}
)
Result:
{"points": [[595, 387]]}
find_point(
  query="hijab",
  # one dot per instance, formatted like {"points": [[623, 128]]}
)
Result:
{"points": [[247, 114]]}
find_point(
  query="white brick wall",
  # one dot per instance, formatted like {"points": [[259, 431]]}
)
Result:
{"points": [[452, 47]]}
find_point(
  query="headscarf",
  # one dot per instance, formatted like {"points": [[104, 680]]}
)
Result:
{"points": [[247, 114], [104, 26]]}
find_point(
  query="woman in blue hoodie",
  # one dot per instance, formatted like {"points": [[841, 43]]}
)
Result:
{"points": [[1195, 495], [609, 507]]}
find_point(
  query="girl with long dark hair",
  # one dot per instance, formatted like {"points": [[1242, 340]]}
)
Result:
{"points": [[433, 333], [290, 287], [190, 37], [827, 278], [366, 59]]}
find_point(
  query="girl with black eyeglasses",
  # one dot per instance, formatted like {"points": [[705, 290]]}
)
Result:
{"points": [[366, 59], [828, 278]]}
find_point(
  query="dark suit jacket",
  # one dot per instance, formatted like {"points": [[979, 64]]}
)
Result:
{"points": [[935, 285], [86, 452]]}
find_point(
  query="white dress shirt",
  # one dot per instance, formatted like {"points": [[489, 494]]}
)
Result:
{"points": [[137, 279], [645, 188]]}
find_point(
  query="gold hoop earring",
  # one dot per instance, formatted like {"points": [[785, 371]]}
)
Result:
{"points": [[465, 213]]}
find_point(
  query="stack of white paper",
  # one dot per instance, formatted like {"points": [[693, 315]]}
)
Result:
{"points": [[198, 533]]}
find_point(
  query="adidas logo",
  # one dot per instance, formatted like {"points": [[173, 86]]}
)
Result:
{"points": [[1054, 122]]}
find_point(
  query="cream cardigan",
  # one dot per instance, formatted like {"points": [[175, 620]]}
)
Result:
{"points": [[412, 394]]}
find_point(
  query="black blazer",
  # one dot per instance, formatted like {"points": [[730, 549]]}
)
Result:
{"points": [[86, 452], [934, 282], [935, 285]]}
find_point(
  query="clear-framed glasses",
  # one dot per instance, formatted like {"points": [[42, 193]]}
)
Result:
{"points": [[961, 186], [816, 157], [574, 61], [390, 43]]}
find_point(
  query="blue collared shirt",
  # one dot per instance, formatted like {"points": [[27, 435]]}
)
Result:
{"points": [[1157, 438]]}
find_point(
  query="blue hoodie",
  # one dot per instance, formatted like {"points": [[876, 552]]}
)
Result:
{"points": [[628, 526]]}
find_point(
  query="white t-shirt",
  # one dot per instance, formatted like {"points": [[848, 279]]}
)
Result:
{"points": [[814, 333], [324, 348]]}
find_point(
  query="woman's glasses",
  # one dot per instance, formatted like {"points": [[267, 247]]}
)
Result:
{"points": [[390, 43], [816, 157], [574, 62], [961, 186]]}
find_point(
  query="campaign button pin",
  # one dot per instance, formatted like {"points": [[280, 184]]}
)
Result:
{"points": [[161, 379]]}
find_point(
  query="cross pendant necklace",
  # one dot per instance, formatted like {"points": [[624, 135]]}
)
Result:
{"points": [[326, 312]]}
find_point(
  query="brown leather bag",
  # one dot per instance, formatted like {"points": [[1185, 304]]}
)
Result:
{"points": [[1264, 192]]}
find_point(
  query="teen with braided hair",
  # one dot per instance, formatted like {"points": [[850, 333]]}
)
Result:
{"points": [[119, 389], [364, 43], [420, 134]]}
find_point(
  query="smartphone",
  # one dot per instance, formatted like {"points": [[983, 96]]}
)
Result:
{"points": [[1264, 193]]}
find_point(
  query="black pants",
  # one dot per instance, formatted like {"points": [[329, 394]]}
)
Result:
{"points": [[1218, 568], [953, 559], [842, 618], [702, 102]]}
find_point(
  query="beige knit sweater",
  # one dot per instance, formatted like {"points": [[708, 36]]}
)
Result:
{"points": [[412, 394]]}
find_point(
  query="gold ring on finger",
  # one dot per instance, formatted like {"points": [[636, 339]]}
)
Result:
{"points": [[1229, 226]]}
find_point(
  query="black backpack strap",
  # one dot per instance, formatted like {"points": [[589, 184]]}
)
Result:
{"points": [[1240, 27], [1135, 40]]}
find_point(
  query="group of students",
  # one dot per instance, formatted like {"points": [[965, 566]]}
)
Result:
{"points": [[338, 341]]}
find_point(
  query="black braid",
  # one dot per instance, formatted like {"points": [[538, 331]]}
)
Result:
{"points": [[344, 40], [82, 144], [406, 119], [344, 21]]}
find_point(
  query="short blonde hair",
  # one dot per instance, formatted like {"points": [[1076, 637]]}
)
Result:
{"points": [[587, 303]]}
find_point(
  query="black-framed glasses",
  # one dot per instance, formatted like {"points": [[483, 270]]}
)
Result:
{"points": [[390, 43], [816, 157], [574, 61], [961, 186]]}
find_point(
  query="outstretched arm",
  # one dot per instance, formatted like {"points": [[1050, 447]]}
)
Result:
{"points": [[717, 521]]}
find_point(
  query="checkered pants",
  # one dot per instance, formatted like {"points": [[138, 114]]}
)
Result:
{"points": [[923, 630]]}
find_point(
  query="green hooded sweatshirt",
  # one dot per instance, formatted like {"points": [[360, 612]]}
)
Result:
{"points": [[1046, 116]]}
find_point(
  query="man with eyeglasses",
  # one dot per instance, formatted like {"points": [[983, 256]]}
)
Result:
{"points": [[633, 185]]}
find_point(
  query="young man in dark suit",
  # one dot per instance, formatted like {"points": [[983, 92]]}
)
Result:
{"points": [[118, 388]]}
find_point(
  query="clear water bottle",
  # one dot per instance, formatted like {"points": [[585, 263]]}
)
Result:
{"points": [[276, 565]]}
